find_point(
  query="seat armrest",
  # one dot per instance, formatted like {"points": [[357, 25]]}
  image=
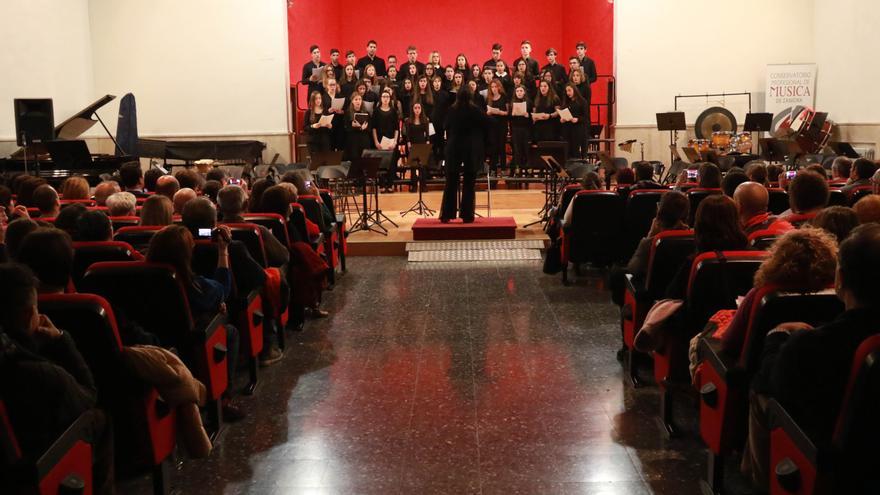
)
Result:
{"points": [[340, 219], [207, 330], [726, 367], [79, 431], [636, 288], [779, 418]]}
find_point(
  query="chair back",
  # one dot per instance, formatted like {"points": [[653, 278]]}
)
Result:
{"points": [[312, 207], [272, 221], [859, 192], [639, 213], [761, 240], [568, 193], [696, 196], [252, 237], [717, 278], [124, 221], [596, 227], [778, 203], [857, 427], [86, 253], [836, 197], [668, 251]]}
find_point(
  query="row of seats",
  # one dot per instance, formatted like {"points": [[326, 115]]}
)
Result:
{"points": [[111, 286]]}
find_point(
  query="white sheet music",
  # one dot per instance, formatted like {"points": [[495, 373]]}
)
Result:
{"points": [[519, 109], [387, 143], [431, 131], [316, 72], [326, 120], [565, 115], [368, 106], [337, 103], [484, 92]]}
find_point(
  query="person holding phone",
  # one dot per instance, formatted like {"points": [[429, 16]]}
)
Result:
{"points": [[545, 117], [317, 134]]}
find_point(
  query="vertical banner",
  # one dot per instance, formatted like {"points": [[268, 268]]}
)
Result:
{"points": [[791, 88]]}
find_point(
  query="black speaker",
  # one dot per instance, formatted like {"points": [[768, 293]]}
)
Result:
{"points": [[34, 120]]}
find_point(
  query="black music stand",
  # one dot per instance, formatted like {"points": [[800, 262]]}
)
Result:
{"points": [[779, 150], [758, 122], [419, 155], [365, 170], [554, 171], [672, 122]]}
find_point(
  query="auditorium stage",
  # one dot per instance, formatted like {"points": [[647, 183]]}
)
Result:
{"points": [[523, 205]]}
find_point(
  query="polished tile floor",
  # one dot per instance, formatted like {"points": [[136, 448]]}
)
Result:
{"points": [[451, 378]]}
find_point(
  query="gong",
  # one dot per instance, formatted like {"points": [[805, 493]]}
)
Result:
{"points": [[714, 119]]}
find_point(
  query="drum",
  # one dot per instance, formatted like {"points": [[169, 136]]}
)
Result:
{"points": [[742, 142], [721, 141], [699, 145]]}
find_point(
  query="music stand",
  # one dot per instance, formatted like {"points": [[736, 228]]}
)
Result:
{"points": [[419, 155], [554, 171], [366, 170], [778, 150], [672, 122], [758, 122], [845, 149], [320, 159]]}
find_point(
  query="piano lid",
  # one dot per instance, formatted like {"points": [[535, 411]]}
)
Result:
{"points": [[82, 121]]}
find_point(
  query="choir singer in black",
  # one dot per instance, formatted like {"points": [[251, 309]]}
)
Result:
{"points": [[466, 129]]}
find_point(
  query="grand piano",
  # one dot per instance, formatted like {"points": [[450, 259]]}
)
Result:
{"points": [[70, 155]]}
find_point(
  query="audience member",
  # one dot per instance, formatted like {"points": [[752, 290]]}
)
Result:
{"points": [[68, 217], [131, 178], [76, 187], [182, 197], [734, 177], [46, 383], [157, 210], [836, 220], [46, 199], [773, 173], [757, 172], [210, 190], [122, 204], [875, 182], [806, 371], [589, 182], [48, 252], [841, 168], [868, 209], [189, 178], [12, 236], [817, 169], [644, 172], [25, 190], [625, 178], [6, 199], [174, 245], [151, 178], [231, 202], [751, 200], [167, 186], [93, 226], [862, 171], [256, 194], [217, 174], [807, 196], [710, 176], [104, 190]]}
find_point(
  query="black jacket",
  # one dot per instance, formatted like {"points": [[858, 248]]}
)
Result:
{"points": [[466, 130], [378, 63]]}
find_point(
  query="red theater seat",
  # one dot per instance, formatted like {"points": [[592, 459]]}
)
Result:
{"points": [[595, 231], [126, 221], [144, 426], [761, 240], [341, 226], [138, 237], [639, 213], [696, 196], [778, 200], [86, 253], [723, 380], [849, 464], [859, 192]]}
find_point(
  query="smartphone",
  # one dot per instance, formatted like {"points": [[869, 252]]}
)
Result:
{"points": [[791, 174], [235, 182], [308, 184], [205, 233], [692, 174]]}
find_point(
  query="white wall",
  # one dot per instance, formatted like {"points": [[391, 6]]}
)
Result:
{"points": [[846, 43], [45, 52], [196, 67], [671, 47]]}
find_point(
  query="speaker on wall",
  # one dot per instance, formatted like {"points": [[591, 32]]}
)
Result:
{"points": [[34, 120]]}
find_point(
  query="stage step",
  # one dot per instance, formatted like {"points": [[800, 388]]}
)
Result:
{"points": [[432, 229], [467, 251]]}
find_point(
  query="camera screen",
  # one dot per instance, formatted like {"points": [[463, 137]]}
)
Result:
{"points": [[204, 232]]}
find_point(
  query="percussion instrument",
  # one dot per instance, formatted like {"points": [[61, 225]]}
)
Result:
{"points": [[714, 119], [699, 145], [721, 141], [742, 142]]}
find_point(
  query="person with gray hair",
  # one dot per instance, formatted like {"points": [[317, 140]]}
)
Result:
{"points": [[231, 201], [841, 168], [122, 204], [104, 190]]}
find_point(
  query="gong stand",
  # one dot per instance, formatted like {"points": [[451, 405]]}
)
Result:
{"points": [[714, 118]]}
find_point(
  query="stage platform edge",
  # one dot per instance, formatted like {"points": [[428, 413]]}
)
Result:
{"points": [[432, 229]]}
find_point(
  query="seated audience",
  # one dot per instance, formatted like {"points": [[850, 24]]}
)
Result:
{"points": [[807, 195], [751, 200], [817, 169], [189, 178], [181, 198], [167, 186], [590, 182], [644, 172], [217, 174], [210, 190], [806, 370], [93, 226], [122, 204], [625, 179], [773, 172], [48, 252], [836, 220], [734, 177], [151, 178], [710, 176], [256, 194], [868, 209], [131, 178], [231, 202], [25, 190], [862, 171], [841, 168], [68, 217], [76, 187], [46, 383], [46, 199], [174, 245], [104, 190], [157, 210], [12, 234], [757, 171]]}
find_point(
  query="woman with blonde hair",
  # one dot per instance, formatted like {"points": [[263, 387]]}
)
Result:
{"points": [[157, 210], [76, 187]]}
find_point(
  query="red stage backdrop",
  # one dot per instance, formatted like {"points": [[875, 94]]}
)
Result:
{"points": [[453, 27]]}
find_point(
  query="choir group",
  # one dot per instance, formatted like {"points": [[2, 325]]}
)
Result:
{"points": [[360, 104]]}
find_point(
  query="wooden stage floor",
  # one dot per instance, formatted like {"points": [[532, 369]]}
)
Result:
{"points": [[521, 204]]}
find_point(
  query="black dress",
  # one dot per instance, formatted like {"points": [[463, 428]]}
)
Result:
{"points": [[498, 135], [386, 123], [442, 101], [318, 139], [520, 135], [416, 133], [546, 130], [575, 133], [356, 140], [466, 129], [337, 132]]}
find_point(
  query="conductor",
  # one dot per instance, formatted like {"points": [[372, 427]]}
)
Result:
{"points": [[466, 127]]}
